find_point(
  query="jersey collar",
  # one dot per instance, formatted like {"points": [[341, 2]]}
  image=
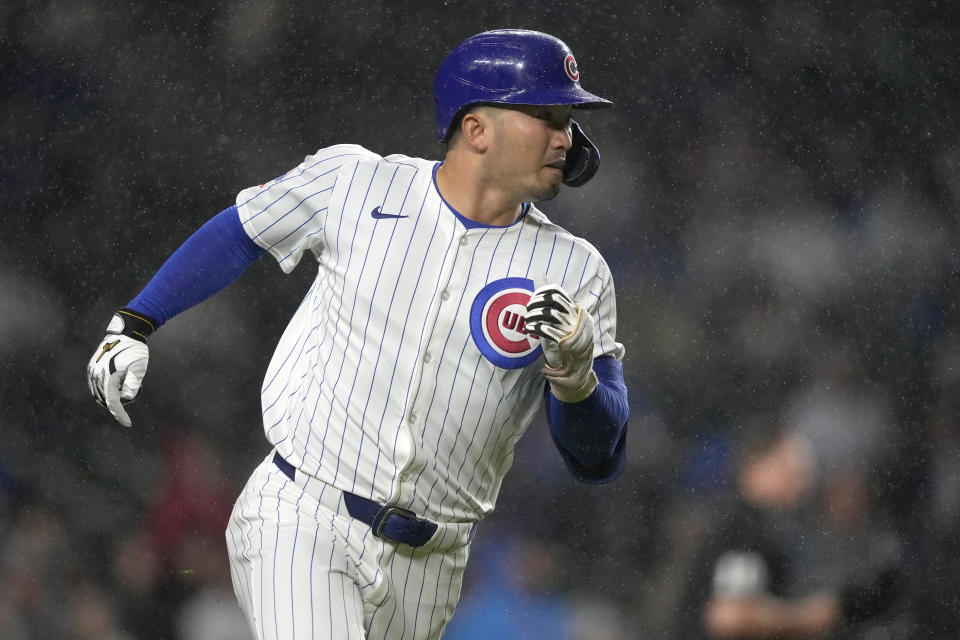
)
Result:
{"points": [[473, 224]]}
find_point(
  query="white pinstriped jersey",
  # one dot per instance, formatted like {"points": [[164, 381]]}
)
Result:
{"points": [[405, 375]]}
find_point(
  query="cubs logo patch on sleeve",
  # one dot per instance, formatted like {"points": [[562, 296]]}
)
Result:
{"points": [[497, 324]]}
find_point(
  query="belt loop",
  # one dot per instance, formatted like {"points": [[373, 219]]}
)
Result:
{"points": [[288, 469]]}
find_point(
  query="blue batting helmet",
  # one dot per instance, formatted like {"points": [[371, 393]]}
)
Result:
{"points": [[508, 66]]}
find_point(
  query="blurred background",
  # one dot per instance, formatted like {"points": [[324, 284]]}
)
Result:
{"points": [[778, 202]]}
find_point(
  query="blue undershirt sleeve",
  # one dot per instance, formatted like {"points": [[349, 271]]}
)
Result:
{"points": [[209, 260], [592, 435]]}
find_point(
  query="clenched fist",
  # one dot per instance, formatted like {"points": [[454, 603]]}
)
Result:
{"points": [[566, 335], [119, 364]]}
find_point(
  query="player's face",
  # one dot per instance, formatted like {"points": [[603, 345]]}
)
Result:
{"points": [[532, 145]]}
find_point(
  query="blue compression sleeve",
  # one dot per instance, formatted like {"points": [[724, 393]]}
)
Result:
{"points": [[213, 257], [592, 435]]}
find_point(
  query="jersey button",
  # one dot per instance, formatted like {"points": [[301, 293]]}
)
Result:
{"points": [[412, 418], [463, 241], [427, 357], [445, 295]]}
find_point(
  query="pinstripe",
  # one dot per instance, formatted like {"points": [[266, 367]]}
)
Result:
{"points": [[466, 450], [344, 589], [352, 311], [260, 549], [583, 273], [336, 330], [292, 176], [295, 208], [489, 379], [358, 563], [241, 586], [503, 396], [302, 224], [276, 546], [268, 384], [305, 334], [297, 390], [423, 583], [493, 254], [402, 598], [599, 318], [466, 403], [313, 553], [486, 441], [506, 395], [393, 295], [533, 250], [444, 421], [380, 608], [497, 454], [280, 198], [376, 307], [550, 259], [376, 466], [330, 584], [306, 392], [497, 443], [442, 354], [450, 575], [423, 329], [460, 422], [513, 253], [563, 278], [413, 179], [364, 338], [293, 555]]}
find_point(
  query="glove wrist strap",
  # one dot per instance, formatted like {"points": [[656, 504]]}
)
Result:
{"points": [[133, 324], [579, 394]]}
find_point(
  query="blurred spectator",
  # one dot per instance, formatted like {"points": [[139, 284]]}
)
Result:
{"points": [[175, 572], [93, 616], [849, 426], [754, 577], [192, 499], [515, 597], [36, 564]]}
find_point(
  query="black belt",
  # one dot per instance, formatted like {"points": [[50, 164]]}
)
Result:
{"points": [[391, 523]]}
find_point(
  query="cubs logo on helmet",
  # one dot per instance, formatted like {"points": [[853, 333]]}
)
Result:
{"points": [[497, 324], [570, 66]]}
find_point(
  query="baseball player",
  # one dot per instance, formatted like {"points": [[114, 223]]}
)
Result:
{"points": [[446, 310]]}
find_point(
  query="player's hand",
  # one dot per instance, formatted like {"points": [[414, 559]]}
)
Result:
{"points": [[566, 335], [119, 364]]}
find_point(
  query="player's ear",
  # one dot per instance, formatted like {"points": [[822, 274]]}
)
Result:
{"points": [[475, 129]]}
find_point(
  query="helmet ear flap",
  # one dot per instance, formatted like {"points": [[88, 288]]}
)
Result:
{"points": [[583, 158]]}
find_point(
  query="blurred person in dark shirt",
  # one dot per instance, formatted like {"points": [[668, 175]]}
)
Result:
{"points": [[753, 576]]}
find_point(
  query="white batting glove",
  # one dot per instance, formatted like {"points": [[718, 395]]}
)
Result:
{"points": [[118, 366], [566, 335]]}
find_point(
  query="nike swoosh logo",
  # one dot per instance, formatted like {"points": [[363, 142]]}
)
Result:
{"points": [[383, 216]]}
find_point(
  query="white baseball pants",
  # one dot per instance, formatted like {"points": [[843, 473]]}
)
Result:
{"points": [[303, 568]]}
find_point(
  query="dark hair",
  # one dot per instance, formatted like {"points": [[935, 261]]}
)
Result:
{"points": [[454, 128]]}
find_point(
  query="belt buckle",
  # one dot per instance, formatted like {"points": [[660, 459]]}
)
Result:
{"points": [[380, 520]]}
